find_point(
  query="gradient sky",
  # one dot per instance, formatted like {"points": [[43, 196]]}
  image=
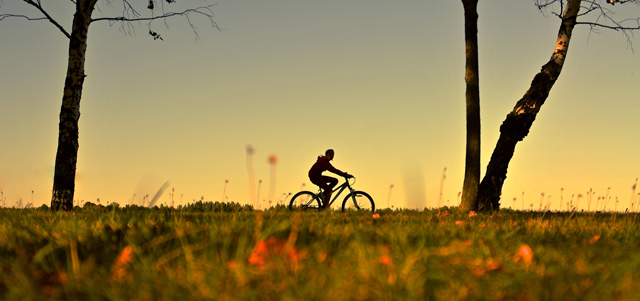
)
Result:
{"points": [[380, 82]]}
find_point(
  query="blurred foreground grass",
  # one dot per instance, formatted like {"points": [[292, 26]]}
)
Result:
{"points": [[169, 254]]}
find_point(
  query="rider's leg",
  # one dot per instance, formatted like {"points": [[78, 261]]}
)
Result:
{"points": [[330, 183], [322, 183], [327, 199]]}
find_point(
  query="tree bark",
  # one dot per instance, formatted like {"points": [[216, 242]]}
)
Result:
{"points": [[518, 122], [472, 158], [67, 153]]}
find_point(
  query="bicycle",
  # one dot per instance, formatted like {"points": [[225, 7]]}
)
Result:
{"points": [[355, 200]]}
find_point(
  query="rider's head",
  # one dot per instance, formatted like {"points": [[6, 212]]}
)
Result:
{"points": [[329, 154]]}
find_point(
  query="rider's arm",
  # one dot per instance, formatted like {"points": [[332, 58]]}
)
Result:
{"points": [[335, 170]]}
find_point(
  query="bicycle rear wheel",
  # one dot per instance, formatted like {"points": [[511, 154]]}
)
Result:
{"points": [[305, 200], [358, 200]]}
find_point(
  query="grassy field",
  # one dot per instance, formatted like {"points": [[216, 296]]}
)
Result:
{"points": [[233, 252]]}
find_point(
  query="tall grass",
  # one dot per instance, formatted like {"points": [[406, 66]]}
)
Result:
{"points": [[227, 251]]}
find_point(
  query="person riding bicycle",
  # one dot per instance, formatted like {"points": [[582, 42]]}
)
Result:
{"points": [[325, 182]]}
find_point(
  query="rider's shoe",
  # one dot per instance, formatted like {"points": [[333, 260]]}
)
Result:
{"points": [[327, 200]]}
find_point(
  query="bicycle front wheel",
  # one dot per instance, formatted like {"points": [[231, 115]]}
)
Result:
{"points": [[358, 200], [305, 200]]}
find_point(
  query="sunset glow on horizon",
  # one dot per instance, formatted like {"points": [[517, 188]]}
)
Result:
{"points": [[241, 114]]}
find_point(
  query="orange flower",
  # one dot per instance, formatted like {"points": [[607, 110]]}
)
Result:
{"points": [[232, 264], [385, 259], [594, 239], [119, 268], [459, 223], [472, 214], [484, 267], [493, 265], [384, 256], [264, 251], [456, 247], [376, 215], [322, 256], [525, 254]]}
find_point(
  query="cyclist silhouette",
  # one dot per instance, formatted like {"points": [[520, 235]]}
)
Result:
{"points": [[325, 182]]}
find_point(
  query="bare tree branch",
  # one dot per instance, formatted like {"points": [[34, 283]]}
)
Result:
{"points": [[128, 11], [601, 17], [617, 27], [606, 21], [38, 6], [587, 10], [131, 15], [544, 5], [167, 15], [5, 16], [613, 2]]}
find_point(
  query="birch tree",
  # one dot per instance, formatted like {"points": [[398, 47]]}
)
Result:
{"points": [[518, 122], [472, 94], [128, 17]]}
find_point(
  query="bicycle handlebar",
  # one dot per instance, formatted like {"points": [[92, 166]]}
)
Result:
{"points": [[348, 177]]}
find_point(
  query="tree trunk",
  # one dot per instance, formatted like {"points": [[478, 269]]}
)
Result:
{"points": [[67, 154], [472, 160], [519, 121]]}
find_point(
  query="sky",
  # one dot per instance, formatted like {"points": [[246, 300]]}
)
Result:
{"points": [[380, 82]]}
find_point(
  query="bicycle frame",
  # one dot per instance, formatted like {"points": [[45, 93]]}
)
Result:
{"points": [[339, 189]]}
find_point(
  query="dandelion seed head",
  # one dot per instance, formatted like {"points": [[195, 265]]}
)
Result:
{"points": [[250, 149], [272, 159]]}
